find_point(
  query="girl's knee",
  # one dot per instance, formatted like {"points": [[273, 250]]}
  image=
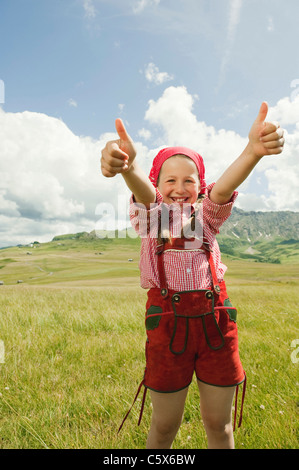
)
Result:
{"points": [[162, 433], [166, 427], [217, 425]]}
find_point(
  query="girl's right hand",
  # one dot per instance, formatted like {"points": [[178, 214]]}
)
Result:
{"points": [[118, 155]]}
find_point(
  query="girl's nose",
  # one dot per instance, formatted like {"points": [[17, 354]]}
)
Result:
{"points": [[179, 189]]}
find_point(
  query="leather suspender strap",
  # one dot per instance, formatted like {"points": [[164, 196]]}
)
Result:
{"points": [[242, 404], [142, 406], [212, 268], [161, 271]]}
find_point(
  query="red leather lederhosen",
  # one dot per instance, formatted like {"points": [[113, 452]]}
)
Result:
{"points": [[190, 331]]}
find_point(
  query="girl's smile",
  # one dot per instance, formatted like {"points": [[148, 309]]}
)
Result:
{"points": [[179, 181]]}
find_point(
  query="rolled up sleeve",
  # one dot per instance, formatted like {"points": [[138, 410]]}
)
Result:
{"points": [[216, 214], [145, 221]]}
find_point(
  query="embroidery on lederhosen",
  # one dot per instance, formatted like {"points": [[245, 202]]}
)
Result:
{"points": [[152, 319]]}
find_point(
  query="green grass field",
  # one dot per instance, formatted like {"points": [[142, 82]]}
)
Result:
{"points": [[72, 336]]}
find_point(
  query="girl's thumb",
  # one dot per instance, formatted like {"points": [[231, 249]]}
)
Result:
{"points": [[262, 112], [121, 130]]}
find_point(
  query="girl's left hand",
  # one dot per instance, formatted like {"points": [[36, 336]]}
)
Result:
{"points": [[266, 138]]}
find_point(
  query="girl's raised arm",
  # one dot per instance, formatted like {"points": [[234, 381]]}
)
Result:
{"points": [[118, 156], [265, 138]]}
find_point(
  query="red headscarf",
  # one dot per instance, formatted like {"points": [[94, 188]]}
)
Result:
{"points": [[168, 152]]}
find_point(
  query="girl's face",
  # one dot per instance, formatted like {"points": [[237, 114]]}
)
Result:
{"points": [[179, 181]]}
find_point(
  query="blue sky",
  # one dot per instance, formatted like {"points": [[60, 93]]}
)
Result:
{"points": [[70, 67], [96, 53]]}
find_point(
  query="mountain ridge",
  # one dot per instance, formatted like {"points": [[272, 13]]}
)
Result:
{"points": [[257, 236], [254, 225]]}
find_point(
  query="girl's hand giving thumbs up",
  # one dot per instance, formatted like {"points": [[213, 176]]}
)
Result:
{"points": [[265, 138], [118, 155]]}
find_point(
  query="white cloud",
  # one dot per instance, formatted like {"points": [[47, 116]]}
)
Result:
{"points": [[237, 109], [152, 74], [139, 6], [172, 112], [49, 178], [72, 103], [89, 8], [286, 111], [144, 134], [251, 202], [283, 184], [235, 7], [270, 26], [2, 92], [8, 207], [178, 125], [234, 17]]}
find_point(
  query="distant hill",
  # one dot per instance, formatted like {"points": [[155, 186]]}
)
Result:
{"points": [[262, 236], [254, 226], [271, 237]]}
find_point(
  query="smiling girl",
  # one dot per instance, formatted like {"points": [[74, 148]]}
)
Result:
{"points": [[190, 321]]}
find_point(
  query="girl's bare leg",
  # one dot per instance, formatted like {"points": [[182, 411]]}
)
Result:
{"points": [[167, 416], [216, 411]]}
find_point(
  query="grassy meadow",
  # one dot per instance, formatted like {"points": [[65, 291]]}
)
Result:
{"points": [[73, 349]]}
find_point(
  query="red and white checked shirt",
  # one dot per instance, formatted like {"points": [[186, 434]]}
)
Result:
{"points": [[184, 269]]}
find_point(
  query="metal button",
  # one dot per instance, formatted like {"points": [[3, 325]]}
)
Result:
{"points": [[217, 289], [163, 292], [209, 294], [176, 298]]}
